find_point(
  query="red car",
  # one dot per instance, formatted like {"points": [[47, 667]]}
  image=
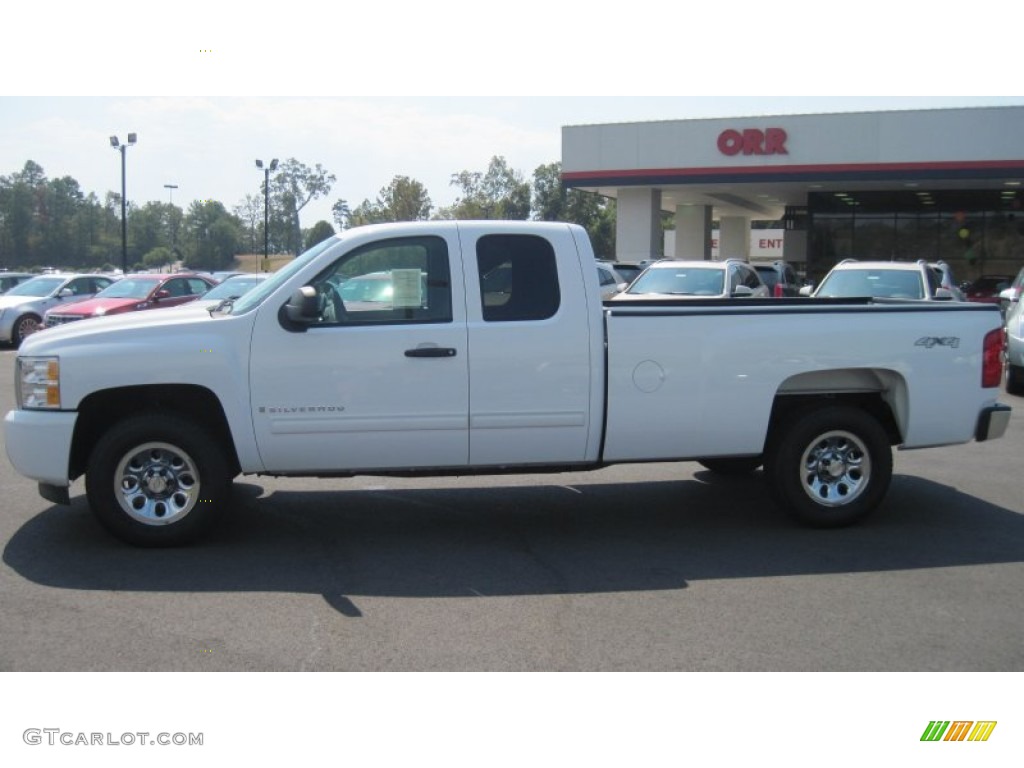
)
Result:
{"points": [[131, 294], [987, 287]]}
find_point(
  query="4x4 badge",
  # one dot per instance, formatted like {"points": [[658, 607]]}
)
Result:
{"points": [[938, 341]]}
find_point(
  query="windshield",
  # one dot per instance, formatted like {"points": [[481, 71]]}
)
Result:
{"points": [[232, 288], [681, 281], [129, 288], [37, 286], [768, 275], [256, 296], [872, 283]]}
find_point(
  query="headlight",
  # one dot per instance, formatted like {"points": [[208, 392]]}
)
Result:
{"points": [[37, 382], [100, 311]]}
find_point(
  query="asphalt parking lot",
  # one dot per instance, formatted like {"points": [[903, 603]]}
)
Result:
{"points": [[648, 567]]}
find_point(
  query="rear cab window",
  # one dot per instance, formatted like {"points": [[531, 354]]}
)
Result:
{"points": [[518, 278]]}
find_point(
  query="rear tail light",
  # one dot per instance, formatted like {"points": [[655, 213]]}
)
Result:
{"points": [[778, 291], [992, 358]]}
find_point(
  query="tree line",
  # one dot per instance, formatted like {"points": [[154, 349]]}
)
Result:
{"points": [[54, 222]]}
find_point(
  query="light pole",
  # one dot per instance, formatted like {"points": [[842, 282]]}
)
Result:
{"points": [[124, 203], [171, 187], [266, 207]]}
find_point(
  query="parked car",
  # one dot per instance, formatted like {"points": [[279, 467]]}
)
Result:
{"points": [[22, 308], [986, 289], [220, 277], [780, 279], [134, 293], [630, 270], [611, 281], [1010, 296], [1015, 349], [668, 278], [10, 279], [882, 280], [944, 274], [228, 290]]}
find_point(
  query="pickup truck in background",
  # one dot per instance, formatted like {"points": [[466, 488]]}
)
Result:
{"points": [[485, 347]]}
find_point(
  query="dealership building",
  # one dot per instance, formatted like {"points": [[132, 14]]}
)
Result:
{"points": [[918, 184]]}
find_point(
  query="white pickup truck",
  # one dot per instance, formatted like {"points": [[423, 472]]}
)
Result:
{"points": [[477, 347]]}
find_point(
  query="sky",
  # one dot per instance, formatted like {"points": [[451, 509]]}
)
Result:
{"points": [[207, 145]]}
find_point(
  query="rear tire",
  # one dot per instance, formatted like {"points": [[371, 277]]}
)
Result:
{"points": [[1014, 379], [831, 466], [155, 480]]}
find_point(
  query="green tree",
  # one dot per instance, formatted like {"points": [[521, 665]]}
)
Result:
{"points": [[340, 213], [499, 193], [292, 188], [553, 201], [213, 237], [151, 226], [158, 258], [251, 212], [319, 232], [404, 199]]}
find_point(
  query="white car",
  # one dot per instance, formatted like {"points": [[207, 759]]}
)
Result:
{"points": [[1015, 349], [671, 279], [882, 280], [611, 281], [22, 308]]}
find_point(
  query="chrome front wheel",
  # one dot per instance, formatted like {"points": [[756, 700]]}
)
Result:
{"points": [[157, 483], [158, 480]]}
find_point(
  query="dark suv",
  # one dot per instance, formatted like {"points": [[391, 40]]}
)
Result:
{"points": [[779, 277]]}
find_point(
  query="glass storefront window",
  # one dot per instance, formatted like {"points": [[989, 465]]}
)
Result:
{"points": [[975, 231], [874, 237]]}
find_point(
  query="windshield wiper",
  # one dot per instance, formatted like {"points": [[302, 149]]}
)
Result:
{"points": [[224, 306]]}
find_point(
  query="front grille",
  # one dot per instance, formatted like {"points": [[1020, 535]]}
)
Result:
{"points": [[52, 320]]}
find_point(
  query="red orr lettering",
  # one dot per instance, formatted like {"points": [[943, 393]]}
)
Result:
{"points": [[771, 141]]}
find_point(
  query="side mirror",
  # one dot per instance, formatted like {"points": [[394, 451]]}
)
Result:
{"points": [[742, 292], [1008, 296], [303, 308], [944, 294], [65, 293], [807, 290], [162, 294]]}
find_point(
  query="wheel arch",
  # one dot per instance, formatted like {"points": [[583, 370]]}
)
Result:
{"points": [[881, 392], [101, 409]]}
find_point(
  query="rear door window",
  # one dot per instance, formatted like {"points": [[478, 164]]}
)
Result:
{"points": [[518, 278]]}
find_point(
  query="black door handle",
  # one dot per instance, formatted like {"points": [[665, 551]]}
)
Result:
{"points": [[430, 352]]}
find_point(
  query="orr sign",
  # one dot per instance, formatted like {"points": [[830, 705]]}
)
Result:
{"points": [[751, 141]]}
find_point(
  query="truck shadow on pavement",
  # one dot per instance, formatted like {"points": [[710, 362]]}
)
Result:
{"points": [[516, 540]]}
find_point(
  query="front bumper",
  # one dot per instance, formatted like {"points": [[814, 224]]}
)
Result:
{"points": [[39, 444], [992, 422]]}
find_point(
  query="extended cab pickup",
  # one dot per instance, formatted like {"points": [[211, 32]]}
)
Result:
{"points": [[459, 347]]}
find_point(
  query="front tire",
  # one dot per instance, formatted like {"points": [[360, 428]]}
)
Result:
{"points": [[158, 481], [24, 326], [831, 466]]}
